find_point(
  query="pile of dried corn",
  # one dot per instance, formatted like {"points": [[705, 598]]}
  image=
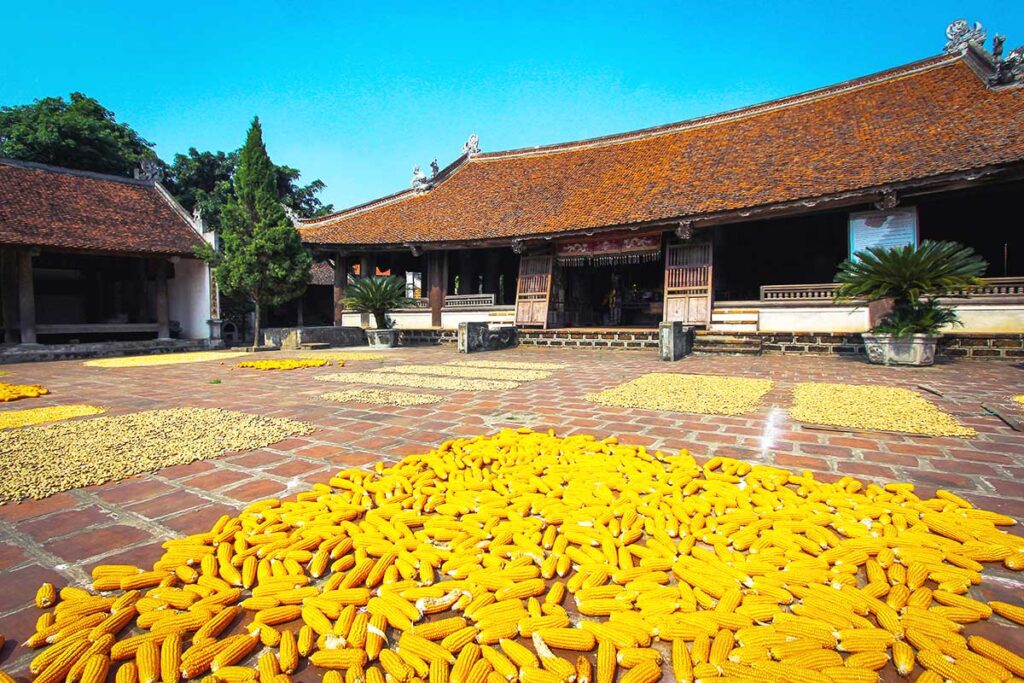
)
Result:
{"points": [[163, 359], [419, 381], [1019, 399], [37, 462], [706, 394], [382, 397], [11, 419], [13, 392], [865, 406], [439, 567], [511, 364], [468, 371], [287, 363]]}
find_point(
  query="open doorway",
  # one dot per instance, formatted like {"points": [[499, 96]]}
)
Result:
{"points": [[620, 295]]}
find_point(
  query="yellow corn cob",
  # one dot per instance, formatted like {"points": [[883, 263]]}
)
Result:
{"points": [[423, 648], [1014, 613], [607, 662], [439, 671], [645, 672], [847, 674], [148, 661], [937, 663], [288, 653], [267, 667], [501, 664], [127, 673], [235, 674], [392, 664], [278, 615], [584, 670], [95, 668], [440, 629], [815, 660], [306, 640], [998, 654], [903, 657], [868, 660], [523, 589], [345, 658], [720, 647], [235, 652], [864, 640], [46, 596], [170, 659], [568, 638], [518, 653]]}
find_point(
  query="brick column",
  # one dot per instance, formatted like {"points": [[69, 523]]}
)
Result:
{"points": [[340, 280], [26, 297]]}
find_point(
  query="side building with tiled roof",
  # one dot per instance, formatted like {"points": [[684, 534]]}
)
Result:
{"points": [[94, 258], [734, 222]]}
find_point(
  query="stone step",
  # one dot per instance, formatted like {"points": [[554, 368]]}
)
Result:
{"points": [[314, 346], [720, 343]]}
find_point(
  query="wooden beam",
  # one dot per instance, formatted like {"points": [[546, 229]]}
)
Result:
{"points": [[163, 312], [26, 297], [340, 280]]}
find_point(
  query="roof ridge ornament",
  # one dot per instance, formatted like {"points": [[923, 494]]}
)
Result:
{"points": [[959, 34], [149, 169], [472, 145], [887, 199], [419, 180], [1009, 70]]}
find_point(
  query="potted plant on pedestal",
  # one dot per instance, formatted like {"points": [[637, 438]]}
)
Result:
{"points": [[911, 280], [378, 296]]}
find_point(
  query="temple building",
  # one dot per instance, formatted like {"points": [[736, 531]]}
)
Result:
{"points": [[734, 222], [93, 258]]}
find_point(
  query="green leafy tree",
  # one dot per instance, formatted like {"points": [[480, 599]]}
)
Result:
{"points": [[261, 255], [912, 278], [76, 133], [377, 295]]}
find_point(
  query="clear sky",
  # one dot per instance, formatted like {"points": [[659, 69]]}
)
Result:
{"points": [[356, 93]]}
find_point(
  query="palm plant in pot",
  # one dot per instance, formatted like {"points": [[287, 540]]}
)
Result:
{"points": [[911, 279], [378, 295]]}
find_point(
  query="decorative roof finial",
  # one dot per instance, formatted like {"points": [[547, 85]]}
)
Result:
{"points": [[959, 34], [149, 169], [434, 168], [472, 145], [684, 230], [419, 180], [887, 199]]}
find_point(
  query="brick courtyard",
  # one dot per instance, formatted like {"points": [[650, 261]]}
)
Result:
{"points": [[60, 538]]}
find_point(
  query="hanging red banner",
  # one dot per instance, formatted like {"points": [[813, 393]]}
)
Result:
{"points": [[608, 249]]}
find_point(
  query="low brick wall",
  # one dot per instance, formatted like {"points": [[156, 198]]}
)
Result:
{"points": [[598, 339], [998, 346], [426, 337], [979, 346], [47, 352], [291, 337]]}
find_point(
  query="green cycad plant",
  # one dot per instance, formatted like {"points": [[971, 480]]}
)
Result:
{"points": [[913, 279], [377, 295]]}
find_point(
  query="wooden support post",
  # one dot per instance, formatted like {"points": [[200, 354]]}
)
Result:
{"points": [[437, 274], [26, 297], [340, 280], [163, 313], [9, 294], [367, 265], [298, 312]]}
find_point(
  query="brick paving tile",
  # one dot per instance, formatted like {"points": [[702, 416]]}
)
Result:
{"points": [[61, 537], [255, 490], [216, 479], [134, 490], [96, 541], [17, 627]]}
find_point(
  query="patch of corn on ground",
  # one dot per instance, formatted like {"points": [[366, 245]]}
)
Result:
{"points": [[14, 392], [419, 381], [163, 359], [1019, 399], [11, 419], [513, 365], [382, 397], [464, 372], [706, 394], [459, 565], [872, 407], [286, 363], [36, 462]]}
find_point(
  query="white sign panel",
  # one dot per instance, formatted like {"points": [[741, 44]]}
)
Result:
{"points": [[886, 229]]}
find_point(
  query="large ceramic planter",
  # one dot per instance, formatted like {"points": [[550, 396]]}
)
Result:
{"points": [[912, 349], [381, 338]]}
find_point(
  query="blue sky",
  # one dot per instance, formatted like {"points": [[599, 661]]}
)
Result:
{"points": [[356, 93]]}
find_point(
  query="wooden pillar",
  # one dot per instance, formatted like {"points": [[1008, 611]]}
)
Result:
{"points": [[367, 265], [9, 294], [492, 269], [26, 297], [437, 275], [340, 280], [298, 311], [163, 313]]}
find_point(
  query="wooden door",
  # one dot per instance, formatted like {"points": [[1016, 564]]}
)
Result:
{"points": [[533, 290], [688, 270]]}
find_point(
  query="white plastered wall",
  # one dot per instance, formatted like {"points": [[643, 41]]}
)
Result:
{"points": [[189, 294]]}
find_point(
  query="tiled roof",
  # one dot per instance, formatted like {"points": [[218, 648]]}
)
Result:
{"points": [[930, 118], [53, 207]]}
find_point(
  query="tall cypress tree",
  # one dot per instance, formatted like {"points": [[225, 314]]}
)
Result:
{"points": [[261, 255]]}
